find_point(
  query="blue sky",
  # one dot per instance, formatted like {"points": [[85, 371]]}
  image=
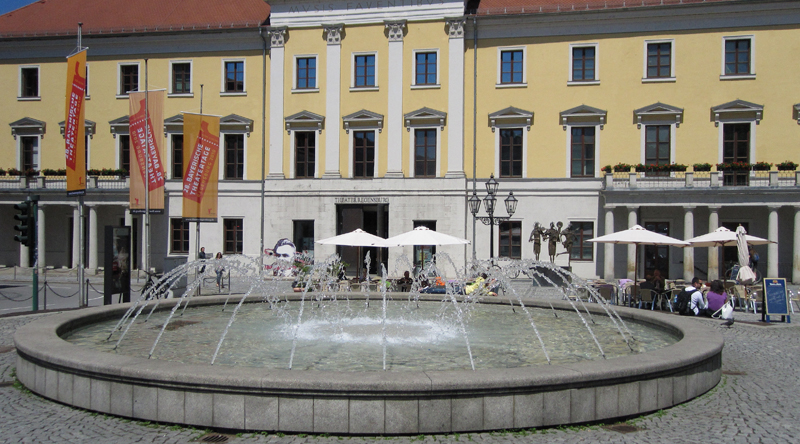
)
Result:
{"points": [[10, 5]]}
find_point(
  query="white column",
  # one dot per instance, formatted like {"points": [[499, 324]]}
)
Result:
{"points": [[276, 54], [93, 234], [688, 252], [333, 94], [713, 252], [608, 262], [394, 125], [76, 237], [631, 248], [40, 238], [455, 99], [796, 248], [24, 256], [128, 218], [772, 249]]}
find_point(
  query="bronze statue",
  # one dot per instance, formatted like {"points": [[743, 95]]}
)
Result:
{"points": [[570, 235], [536, 238], [553, 236]]}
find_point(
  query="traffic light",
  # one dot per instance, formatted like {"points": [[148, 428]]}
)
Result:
{"points": [[27, 223]]}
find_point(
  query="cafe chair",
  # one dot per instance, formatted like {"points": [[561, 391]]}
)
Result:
{"points": [[647, 296]]}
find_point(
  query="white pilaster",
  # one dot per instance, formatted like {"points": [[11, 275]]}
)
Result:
{"points": [[631, 248], [128, 218], [713, 252], [688, 252], [455, 99], [276, 63], [608, 262], [24, 256], [40, 238], [93, 234], [333, 94], [772, 249], [76, 237], [394, 127], [796, 248]]}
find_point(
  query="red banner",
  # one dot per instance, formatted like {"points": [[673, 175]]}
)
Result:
{"points": [[74, 130], [200, 167], [201, 162], [141, 136], [147, 168]]}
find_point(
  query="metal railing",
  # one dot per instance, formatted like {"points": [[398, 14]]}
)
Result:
{"points": [[60, 182], [700, 179]]}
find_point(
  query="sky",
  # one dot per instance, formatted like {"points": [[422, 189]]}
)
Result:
{"points": [[10, 5]]}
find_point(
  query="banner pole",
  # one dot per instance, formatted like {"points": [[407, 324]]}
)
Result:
{"points": [[147, 173], [83, 294], [197, 224]]}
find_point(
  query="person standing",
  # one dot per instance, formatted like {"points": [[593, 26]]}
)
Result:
{"points": [[220, 270], [202, 256]]}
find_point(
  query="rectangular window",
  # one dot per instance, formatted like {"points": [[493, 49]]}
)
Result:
{"points": [[364, 71], [234, 234], [657, 144], [181, 78], [304, 235], [234, 156], [659, 60], [234, 77], [510, 244], [124, 152], [582, 152], [511, 152], [306, 72], [177, 156], [179, 235], [425, 68], [425, 153], [736, 148], [305, 143], [29, 82], [364, 154], [128, 79], [30, 153], [423, 254], [737, 56], [511, 66], [582, 250], [583, 64]]}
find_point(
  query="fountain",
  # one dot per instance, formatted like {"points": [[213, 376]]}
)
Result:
{"points": [[331, 361]]}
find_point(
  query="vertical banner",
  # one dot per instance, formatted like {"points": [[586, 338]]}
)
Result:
{"points": [[74, 130], [147, 168], [200, 167]]}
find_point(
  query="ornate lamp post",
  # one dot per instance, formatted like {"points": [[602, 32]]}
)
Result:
{"points": [[489, 205]]}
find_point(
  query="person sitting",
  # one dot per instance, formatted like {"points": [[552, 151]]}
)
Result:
{"points": [[404, 283], [697, 304], [658, 281], [716, 297]]}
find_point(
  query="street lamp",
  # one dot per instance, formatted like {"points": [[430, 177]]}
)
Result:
{"points": [[489, 204]]}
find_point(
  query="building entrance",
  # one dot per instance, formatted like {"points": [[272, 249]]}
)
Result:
{"points": [[373, 219]]}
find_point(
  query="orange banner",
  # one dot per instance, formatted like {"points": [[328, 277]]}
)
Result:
{"points": [[147, 168], [200, 167], [74, 130]]}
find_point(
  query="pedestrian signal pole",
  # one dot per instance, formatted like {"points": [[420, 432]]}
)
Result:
{"points": [[27, 237]]}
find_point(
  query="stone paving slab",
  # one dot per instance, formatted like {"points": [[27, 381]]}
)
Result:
{"points": [[757, 401]]}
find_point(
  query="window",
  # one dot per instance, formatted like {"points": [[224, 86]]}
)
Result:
{"points": [[304, 154], [306, 73], [425, 71], [511, 67], [29, 82], [233, 79], [181, 82], [583, 64], [364, 74], [582, 250], [738, 57], [233, 236], [177, 156], [234, 156], [659, 60], [736, 148], [29, 153], [511, 152], [304, 236], [657, 145], [423, 254], [363, 154], [510, 244], [124, 152], [582, 151], [179, 235], [424, 153], [128, 79]]}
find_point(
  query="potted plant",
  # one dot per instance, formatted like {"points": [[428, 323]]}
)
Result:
{"points": [[14, 172], [622, 168], [93, 172], [701, 167], [678, 167], [787, 165], [2, 172], [607, 169], [52, 172], [762, 166], [733, 166]]}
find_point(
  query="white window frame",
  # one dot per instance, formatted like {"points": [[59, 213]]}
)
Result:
{"points": [[412, 149], [171, 92], [597, 131], [353, 86], [37, 156], [500, 52], [643, 140], [438, 83], [350, 169], [671, 77], [596, 80], [38, 96], [752, 74], [169, 156], [124, 94], [222, 158], [86, 91], [293, 145], [295, 89], [501, 127], [720, 137], [570, 220], [222, 91]]}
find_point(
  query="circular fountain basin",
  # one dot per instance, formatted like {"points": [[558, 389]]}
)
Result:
{"points": [[411, 401]]}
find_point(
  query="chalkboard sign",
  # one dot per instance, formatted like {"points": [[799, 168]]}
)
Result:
{"points": [[776, 300]]}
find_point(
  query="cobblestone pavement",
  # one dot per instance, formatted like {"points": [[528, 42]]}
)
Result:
{"points": [[757, 401]]}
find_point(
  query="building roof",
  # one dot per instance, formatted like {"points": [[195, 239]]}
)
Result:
{"points": [[46, 18], [503, 7]]}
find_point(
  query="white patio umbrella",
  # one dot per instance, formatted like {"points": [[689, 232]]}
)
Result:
{"points": [[356, 238], [421, 236], [723, 237], [745, 275], [638, 235]]}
